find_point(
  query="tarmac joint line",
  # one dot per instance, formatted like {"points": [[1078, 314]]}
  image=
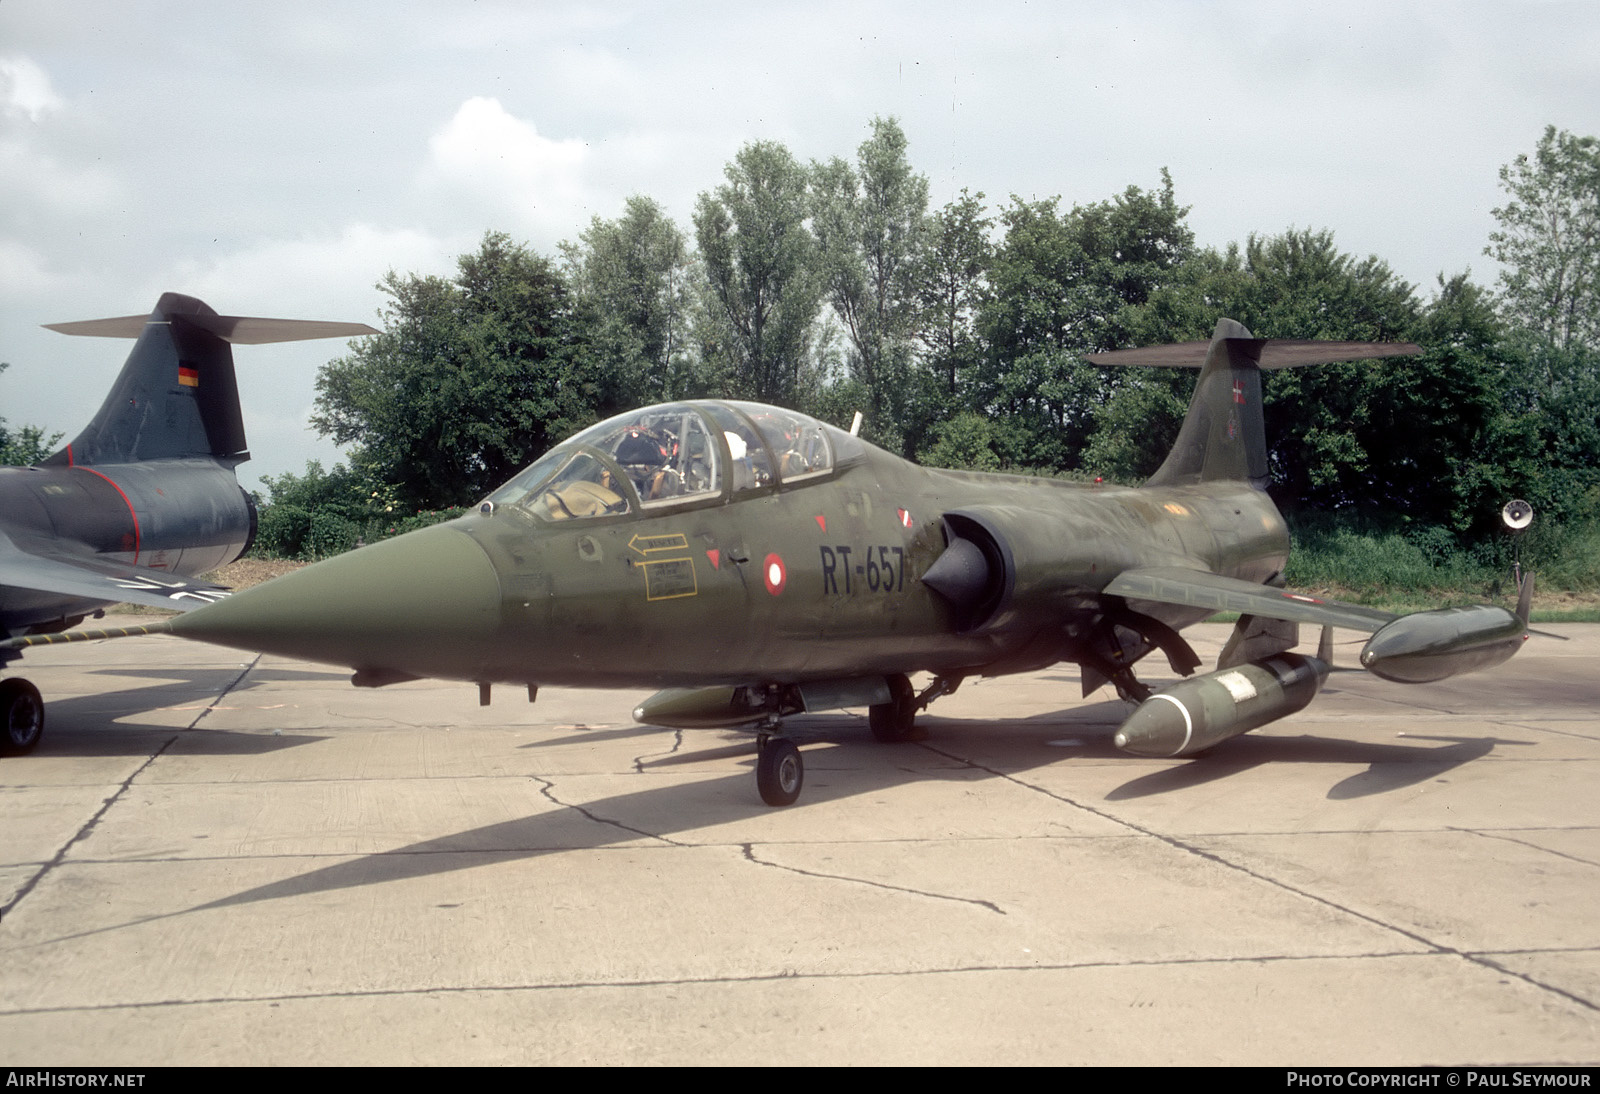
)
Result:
{"points": [[1174, 842], [639, 762], [750, 855], [547, 790]]}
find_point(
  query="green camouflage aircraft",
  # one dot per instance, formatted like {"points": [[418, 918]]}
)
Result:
{"points": [[755, 563]]}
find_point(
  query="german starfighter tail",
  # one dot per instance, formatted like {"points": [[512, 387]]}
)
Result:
{"points": [[1223, 436], [177, 396]]}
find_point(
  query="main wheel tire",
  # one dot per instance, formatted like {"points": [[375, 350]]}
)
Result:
{"points": [[22, 712], [894, 721], [779, 772]]}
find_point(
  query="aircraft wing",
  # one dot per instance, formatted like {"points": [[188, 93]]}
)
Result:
{"points": [[95, 578], [1198, 589]]}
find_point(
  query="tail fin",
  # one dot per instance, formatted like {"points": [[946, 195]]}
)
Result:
{"points": [[1224, 435], [177, 395]]}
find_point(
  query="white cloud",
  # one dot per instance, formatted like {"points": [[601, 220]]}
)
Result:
{"points": [[25, 90], [32, 176], [24, 273], [501, 163], [305, 277]]}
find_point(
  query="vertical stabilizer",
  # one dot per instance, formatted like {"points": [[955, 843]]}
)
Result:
{"points": [[176, 396], [1224, 435]]}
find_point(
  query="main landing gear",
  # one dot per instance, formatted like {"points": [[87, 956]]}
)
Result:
{"points": [[21, 716], [780, 773], [895, 721]]}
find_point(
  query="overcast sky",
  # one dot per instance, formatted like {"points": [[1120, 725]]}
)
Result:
{"points": [[277, 158]]}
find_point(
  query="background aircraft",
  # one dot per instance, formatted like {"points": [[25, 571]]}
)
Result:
{"points": [[756, 563], [145, 498]]}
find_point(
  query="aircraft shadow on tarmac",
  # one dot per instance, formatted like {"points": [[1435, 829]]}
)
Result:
{"points": [[114, 721], [1389, 767], [1536, 686], [654, 813], [607, 733], [726, 799]]}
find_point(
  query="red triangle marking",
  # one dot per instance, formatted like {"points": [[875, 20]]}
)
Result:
{"points": [[716, 558], [822, 522]]}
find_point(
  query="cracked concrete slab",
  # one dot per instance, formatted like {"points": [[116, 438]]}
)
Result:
{"points": [[1321, 1012], [222, 860], [1463, 890]]}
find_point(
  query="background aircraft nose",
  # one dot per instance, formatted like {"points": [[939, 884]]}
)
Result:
{"points": [[426, 603]]}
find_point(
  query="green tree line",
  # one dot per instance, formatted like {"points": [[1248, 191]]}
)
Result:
{"points": [[961, 334], [22, 446]]}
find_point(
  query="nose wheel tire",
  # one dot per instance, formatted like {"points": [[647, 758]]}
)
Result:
{"points": [[22, 716], [779, 771]]}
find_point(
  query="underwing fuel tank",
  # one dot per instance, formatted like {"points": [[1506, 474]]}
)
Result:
{"points": [[1193, 715], [700, 708], [1427, 646], [726, 707]]}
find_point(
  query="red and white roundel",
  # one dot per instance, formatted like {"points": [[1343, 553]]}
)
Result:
{"points": [[774, 573]]}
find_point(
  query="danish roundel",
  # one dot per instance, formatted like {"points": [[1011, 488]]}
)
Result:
{"points": [[772, 570]]}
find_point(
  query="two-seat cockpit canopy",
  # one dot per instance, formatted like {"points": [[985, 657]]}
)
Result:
{"points": [[674, 454]]}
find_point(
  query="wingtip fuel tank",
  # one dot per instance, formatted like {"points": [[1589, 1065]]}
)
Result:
{"points": [[1426, 646]]}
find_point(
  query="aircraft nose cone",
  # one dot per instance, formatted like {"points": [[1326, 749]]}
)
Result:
{"points": [[426, 604]]}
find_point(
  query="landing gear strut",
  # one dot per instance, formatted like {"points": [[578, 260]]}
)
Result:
{"points": [[779, 770], [21, 716]]}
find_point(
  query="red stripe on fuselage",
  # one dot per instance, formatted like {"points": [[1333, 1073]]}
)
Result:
{"points": [[126, 502]]}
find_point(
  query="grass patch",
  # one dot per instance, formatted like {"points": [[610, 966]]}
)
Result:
{"points": [[1418, 568]]}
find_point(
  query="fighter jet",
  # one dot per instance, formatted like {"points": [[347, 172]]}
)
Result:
{"points": [[755, 563], [145, 498]]}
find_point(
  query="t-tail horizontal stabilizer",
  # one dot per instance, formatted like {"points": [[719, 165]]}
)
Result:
{"points": [[1224, 436], [177, 396]]}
